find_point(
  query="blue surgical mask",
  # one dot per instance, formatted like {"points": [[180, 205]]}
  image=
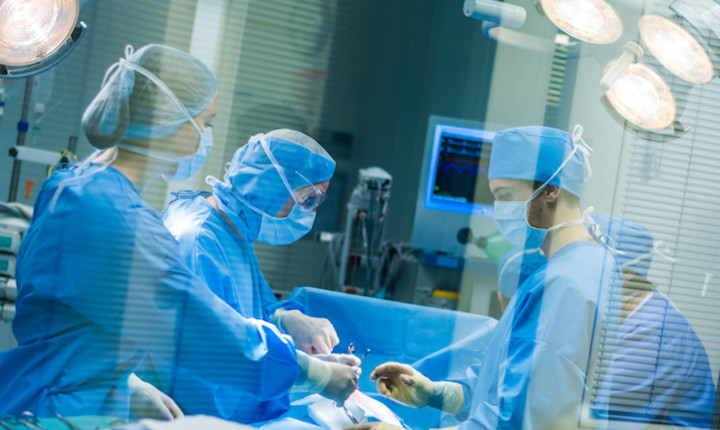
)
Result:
{"points": [[282, 231]]}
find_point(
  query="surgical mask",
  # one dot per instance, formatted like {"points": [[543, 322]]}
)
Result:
{"points": [[187, 166], [511, 217], [518, 268]]}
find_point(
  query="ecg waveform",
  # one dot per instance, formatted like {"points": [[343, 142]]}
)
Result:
{"points": [[461, 168]]}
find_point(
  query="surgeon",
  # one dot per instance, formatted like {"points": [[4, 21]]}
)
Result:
{"points": [[271, 191], [675, 385], [533, 374], [102, 286]]}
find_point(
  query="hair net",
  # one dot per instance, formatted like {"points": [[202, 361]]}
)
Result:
{"points": [[535, 153], [130, 105], [634, 243], [252, 175]]}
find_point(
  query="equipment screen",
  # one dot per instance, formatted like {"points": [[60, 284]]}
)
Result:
{"points": [[457, 181]]}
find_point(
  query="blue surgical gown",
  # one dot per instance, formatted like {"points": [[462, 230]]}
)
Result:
{"points": [[659, 371], [101, 285], [534, 372], [228, 264]]}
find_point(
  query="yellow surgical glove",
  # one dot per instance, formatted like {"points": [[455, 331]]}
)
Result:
{"points": [[402, 383]]}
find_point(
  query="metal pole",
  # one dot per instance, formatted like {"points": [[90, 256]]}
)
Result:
{"points": [[22, 132]]}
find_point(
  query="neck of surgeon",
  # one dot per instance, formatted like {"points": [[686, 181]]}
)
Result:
{"points": [[139, 169], [559, 212]]}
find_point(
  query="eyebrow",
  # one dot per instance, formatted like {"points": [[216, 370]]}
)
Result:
{"points": [[500, 190]]}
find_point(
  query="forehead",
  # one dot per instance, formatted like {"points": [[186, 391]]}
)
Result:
{"points": [[499, 184]]}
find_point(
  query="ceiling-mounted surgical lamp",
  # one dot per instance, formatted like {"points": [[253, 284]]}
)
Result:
{"points": [[637, 92], [592, 21], [702, 21], [676, 49], [35, 35]]}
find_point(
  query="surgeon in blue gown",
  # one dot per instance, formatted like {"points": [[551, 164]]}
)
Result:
{"points": [[270, 193], [675, 386], [534, 372], [101, 284]]}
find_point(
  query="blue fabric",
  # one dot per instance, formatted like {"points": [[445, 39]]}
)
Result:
{"points": [[534, 154], [660, 371], [533, 373], [252, 175], [441, 343], [227, 263], [515, 266], [631, 239], [100, 285]]}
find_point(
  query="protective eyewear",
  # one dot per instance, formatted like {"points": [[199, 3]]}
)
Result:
{"points": [[310, 196]]}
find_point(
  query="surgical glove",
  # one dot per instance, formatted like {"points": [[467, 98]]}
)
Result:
{"points": [[146, 401], [406, 385], [346, 359], [332, 380], [311, 335]]}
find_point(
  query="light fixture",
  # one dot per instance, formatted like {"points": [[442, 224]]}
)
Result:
{"points": [[517, 39], [36, 34], [638, 92], [494, 11], [676, 49], [593, 21]]}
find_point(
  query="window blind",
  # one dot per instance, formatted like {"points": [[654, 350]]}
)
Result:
{"points": [[671, 188]]}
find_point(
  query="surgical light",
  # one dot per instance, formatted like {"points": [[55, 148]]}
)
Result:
{"points": [[676, 49], [593, 21], [35, 33], [637, 92], [498, 12]]}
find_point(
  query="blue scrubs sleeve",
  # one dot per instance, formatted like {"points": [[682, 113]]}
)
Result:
{"points": [[126, 275]]}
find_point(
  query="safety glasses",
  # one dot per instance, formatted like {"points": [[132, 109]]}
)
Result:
{"points": [[310, 196]]}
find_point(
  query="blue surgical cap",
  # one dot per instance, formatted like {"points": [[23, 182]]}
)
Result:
{"points": [[252, 176], [131, 106], [534, 154], [633, 242]]}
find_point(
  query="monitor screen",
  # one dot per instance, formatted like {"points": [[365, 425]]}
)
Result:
{"points": [[457, 180]]}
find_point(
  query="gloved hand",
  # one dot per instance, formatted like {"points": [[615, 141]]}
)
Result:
{"points": [[146, 401], [333, 380], [342, 383], [402, 383], [346, 359], [311, 335]]}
